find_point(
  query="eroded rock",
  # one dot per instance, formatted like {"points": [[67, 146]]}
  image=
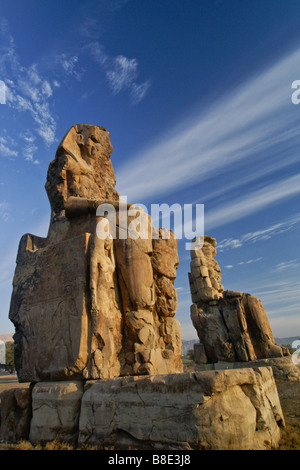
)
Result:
{"points": [[15, 414], [232, 326], [217, 410], [85, 307], [55, 411]]}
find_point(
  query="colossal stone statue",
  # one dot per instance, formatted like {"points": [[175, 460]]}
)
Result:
{"points": [[231, 326], [90, 307]]}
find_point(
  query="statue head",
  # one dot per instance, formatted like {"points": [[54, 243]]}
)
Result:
{"points": [[82, 167], [87, 142]]}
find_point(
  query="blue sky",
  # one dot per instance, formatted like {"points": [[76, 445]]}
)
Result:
{"points": [[197, 99]]}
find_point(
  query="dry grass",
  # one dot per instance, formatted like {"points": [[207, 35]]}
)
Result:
{"points": [[11, 381], [289, 393], [53, 445]]}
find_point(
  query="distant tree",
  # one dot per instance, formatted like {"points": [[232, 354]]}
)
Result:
{"points": [[190, 354], [9, 353]]}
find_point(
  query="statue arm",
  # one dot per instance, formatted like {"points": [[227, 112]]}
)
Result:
{"points": [[78, 206]]}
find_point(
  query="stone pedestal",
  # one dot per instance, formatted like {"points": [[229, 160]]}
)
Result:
{"points": [[56, 408], [213, 410], [283, 367]]}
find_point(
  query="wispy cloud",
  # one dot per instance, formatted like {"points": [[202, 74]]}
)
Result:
{"points": [[241, 263], [121, 72], [29, 146], [26, 89], [291, 264], [253, 202], [97, 52], [138, 92], [69, 65], [29, 92], [8, 147], [250, 261], [259, 235], [248, 124], [4, 211]]}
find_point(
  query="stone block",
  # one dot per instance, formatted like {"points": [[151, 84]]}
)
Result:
{"points": [[15, 414], [55, 411], [213, 410]]}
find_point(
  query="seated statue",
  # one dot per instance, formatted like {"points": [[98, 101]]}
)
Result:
{"points": [[86, 306]]}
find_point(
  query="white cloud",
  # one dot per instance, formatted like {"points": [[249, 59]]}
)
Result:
{"points": [[4, 211], [97, 53], [264, 234], [253, 202], [121, 71], [241, 263], [29, 148], [291, 264], [69, 65], [250, 261], [7, 147], [138, 92], [26, 89], [253, 119], [229, 243], [46, 89], [28, 152]]}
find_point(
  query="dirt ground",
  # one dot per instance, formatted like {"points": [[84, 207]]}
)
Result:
{"points": [[10, 381], [289, 394]]}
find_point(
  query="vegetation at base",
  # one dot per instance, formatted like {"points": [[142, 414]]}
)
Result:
{"points": [[188, 357], [55, 445], [290, 437]]}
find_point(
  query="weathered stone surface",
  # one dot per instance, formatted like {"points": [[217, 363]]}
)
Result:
{"points": [[235, 409], [55, 411], [49, 310], [205, 276], [82, 168], [84, 307], [199, 354], [165, 259], [283, 367], [15, 414], [231, 326]]}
